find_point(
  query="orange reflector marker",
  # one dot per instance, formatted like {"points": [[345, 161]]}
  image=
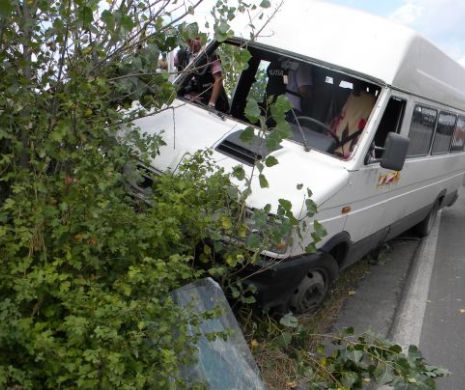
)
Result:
{"points": [[282, 246], [346, 209]]}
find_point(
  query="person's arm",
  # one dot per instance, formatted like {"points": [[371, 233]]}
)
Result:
{"points": [[217, 82], [304, 81], [216, 88]]}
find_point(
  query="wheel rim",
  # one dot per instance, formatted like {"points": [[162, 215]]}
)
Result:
{"points": [[310, 292]]}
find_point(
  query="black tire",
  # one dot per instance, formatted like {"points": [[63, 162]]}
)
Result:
{"points": [[425, 226], [314, 287]]}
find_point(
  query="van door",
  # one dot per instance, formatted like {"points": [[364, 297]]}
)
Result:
{"points": [[370, 188]]}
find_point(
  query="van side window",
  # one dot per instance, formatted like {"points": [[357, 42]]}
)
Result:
{"points": [[443, 134], [458, 140], [390, 122], [421, 131]]}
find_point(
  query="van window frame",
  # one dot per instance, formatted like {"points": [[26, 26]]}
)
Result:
{"points": [[430, 107], [436, 130], [238, 95], [369, 159]]}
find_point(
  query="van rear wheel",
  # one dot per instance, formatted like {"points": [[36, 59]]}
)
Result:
{"points": [[424, 227], [314, 287]]}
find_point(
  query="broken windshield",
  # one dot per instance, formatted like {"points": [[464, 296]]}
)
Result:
{"points": [[329, 109]]}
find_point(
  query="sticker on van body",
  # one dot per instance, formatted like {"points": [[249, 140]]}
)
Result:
{"points": [[388, 178]]}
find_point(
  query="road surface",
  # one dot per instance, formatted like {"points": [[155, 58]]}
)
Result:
{"points": [[416, 295]]}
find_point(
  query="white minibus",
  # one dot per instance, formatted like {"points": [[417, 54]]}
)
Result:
{"points": [[378, 133]]}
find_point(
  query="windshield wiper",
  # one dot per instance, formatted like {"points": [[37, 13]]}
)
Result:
{"points": [[304, 140]]}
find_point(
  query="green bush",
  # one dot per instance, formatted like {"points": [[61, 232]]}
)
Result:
{"points": [[86, 271], [86, 275]]}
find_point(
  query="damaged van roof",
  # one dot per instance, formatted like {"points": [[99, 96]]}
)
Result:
{"points": [[369, 45]]}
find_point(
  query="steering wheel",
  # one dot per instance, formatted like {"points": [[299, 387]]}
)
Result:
{"points": [[322, 126]]}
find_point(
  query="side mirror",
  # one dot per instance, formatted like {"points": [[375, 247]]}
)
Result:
{"points": [[395, 151]]}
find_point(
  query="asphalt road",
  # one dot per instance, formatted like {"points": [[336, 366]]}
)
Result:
{"points": [[375, 302], [416, 295], [442, 339]]}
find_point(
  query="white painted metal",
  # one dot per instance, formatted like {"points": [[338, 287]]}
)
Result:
{"points": [[360, 44], [367, 44]]}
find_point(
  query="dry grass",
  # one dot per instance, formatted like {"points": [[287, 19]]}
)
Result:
{"points": [[279, 368], [279, 371]]}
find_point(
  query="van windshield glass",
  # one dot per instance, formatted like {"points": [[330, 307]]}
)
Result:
{"points": [[329, 109]]}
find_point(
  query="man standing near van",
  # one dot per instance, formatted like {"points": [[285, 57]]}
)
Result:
{"points": [[299, 86], [293, 79], [206, 84]]}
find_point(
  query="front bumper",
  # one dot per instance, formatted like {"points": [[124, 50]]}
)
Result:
{"points": [[275, 281]]}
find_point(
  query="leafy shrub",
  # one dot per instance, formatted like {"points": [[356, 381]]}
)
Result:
{"points": [[86, 274]]}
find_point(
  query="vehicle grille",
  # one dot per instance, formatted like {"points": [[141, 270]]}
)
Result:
{"points": [[239, 152], [246, 152]]}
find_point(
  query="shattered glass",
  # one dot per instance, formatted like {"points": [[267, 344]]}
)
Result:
{"points": [[221, 363]]}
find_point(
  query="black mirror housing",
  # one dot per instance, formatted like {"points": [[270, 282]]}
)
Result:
{"points": [[395, 151]]}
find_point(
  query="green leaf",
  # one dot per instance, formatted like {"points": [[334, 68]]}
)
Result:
{"points": [[285, 204], [289, 321], [311, 207], [280, 108], [108, 18], [310, 248], [235, 293], [253, 241], [243, 57], [413, 352], [273, 140], [319, 229], [127, 22], [247, 134], [222, 31], [395, 348], [5, 8], [283, 128], [222, 27], [252, 110], [238, 172], [263, 181], [357, 355], [348, 331], [248, 299], [349, 378], [383, 374], [285, 339], [265, 4], [271, 161], [86, 15]]}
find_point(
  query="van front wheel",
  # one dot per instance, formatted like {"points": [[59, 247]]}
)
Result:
{"points": [[314, 287], [425, 226]]}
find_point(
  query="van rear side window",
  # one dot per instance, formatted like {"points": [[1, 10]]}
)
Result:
{"points": [[458, 140], [443, 135], [421, 131]]}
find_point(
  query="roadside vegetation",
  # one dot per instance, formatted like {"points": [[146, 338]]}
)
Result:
{"points": [[86, 268]]}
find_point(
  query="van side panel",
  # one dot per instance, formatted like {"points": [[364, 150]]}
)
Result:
{"points": [[422, 181]]}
